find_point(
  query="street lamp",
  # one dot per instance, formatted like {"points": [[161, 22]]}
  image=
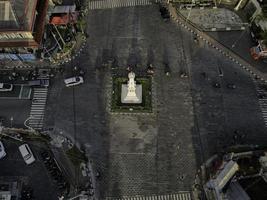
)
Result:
{"points": [[11, 121]]}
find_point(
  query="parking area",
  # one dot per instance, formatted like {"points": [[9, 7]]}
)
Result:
{"points": [[20, 91], [14, 112], [35, 176]]}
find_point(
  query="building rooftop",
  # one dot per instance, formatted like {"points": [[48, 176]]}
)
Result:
{"points": [[17, 15]]}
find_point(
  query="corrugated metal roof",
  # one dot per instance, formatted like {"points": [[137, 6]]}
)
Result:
{"points": [[64, 9]]}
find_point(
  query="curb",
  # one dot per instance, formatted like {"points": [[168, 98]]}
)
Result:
{"points": [[53, 64], [75, 55], [109, 99]]}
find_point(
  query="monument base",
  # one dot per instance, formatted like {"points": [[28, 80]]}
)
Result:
{"points": [[138, 91]]}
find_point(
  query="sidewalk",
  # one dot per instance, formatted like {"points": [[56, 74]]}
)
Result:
{"points": [[72, 53], [82, 176]]}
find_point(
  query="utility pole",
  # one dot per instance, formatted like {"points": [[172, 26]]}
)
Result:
{"points": [[11, 121]]}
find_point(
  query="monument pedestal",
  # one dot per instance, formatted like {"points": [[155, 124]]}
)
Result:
{"points": [[131, 93], [131, 99]]}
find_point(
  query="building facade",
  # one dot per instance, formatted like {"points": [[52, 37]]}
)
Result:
{"points": [[22, 25]]}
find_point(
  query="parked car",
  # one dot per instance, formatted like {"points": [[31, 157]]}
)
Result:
{"points": [[73, 81], [216, 85], [150, 69], [5, 87], [231, 86], [2, 150], [26, 154], [167, 69], [164, 12]]}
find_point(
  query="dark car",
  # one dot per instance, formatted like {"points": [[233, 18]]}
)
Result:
{"points": [[231, 86], [164, 12], [167, 69], [150, 69], [216, 85], [255, 31], [262, 95]]}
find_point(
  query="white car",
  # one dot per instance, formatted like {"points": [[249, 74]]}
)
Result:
{"points": [[5, 87], [73, 81], [26, 154], [2, 150]]}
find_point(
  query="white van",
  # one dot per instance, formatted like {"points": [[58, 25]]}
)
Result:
{"points": [[26, 153], [73, 81], [5, 87]]}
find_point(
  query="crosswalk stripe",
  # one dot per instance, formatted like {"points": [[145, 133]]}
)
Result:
{"points": [[37, 119], [179, 196], [38, 105], [39, 96], [262, 101], [38, 108], [36, 122], [106, 4]]}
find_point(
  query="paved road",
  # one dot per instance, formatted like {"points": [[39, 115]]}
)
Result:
{"points": [[35, 174], [18, 109], [151, 158], [156, 154], [240, 42], [223, 111]]}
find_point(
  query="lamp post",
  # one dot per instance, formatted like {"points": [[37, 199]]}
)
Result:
{"points": [[11, 121]]}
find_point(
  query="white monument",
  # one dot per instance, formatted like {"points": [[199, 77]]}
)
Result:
{"points": [[131, 92]]}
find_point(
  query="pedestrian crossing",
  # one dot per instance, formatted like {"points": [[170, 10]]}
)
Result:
{"points": [[262, 96], [38, 108], [177, 196], [107, 4]]}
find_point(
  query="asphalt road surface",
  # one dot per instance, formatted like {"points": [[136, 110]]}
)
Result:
{"points": [[158, 153], [19, 110], [34, 175], [240, 42]]}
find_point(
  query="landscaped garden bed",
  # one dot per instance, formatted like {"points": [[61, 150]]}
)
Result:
{"points": [[145, 106]]}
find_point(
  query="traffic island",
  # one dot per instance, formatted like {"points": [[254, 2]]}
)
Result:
{"points": [[142, 106]]}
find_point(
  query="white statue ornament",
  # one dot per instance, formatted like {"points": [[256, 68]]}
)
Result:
{"points": [[131, 92]]}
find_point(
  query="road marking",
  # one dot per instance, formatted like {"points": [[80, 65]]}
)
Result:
{"points": [[108, 4], [38, 108], [178, 196], [262, 101]]}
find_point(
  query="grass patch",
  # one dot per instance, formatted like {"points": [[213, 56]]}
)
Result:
{"points": [[145, 106], [76, 156]]}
